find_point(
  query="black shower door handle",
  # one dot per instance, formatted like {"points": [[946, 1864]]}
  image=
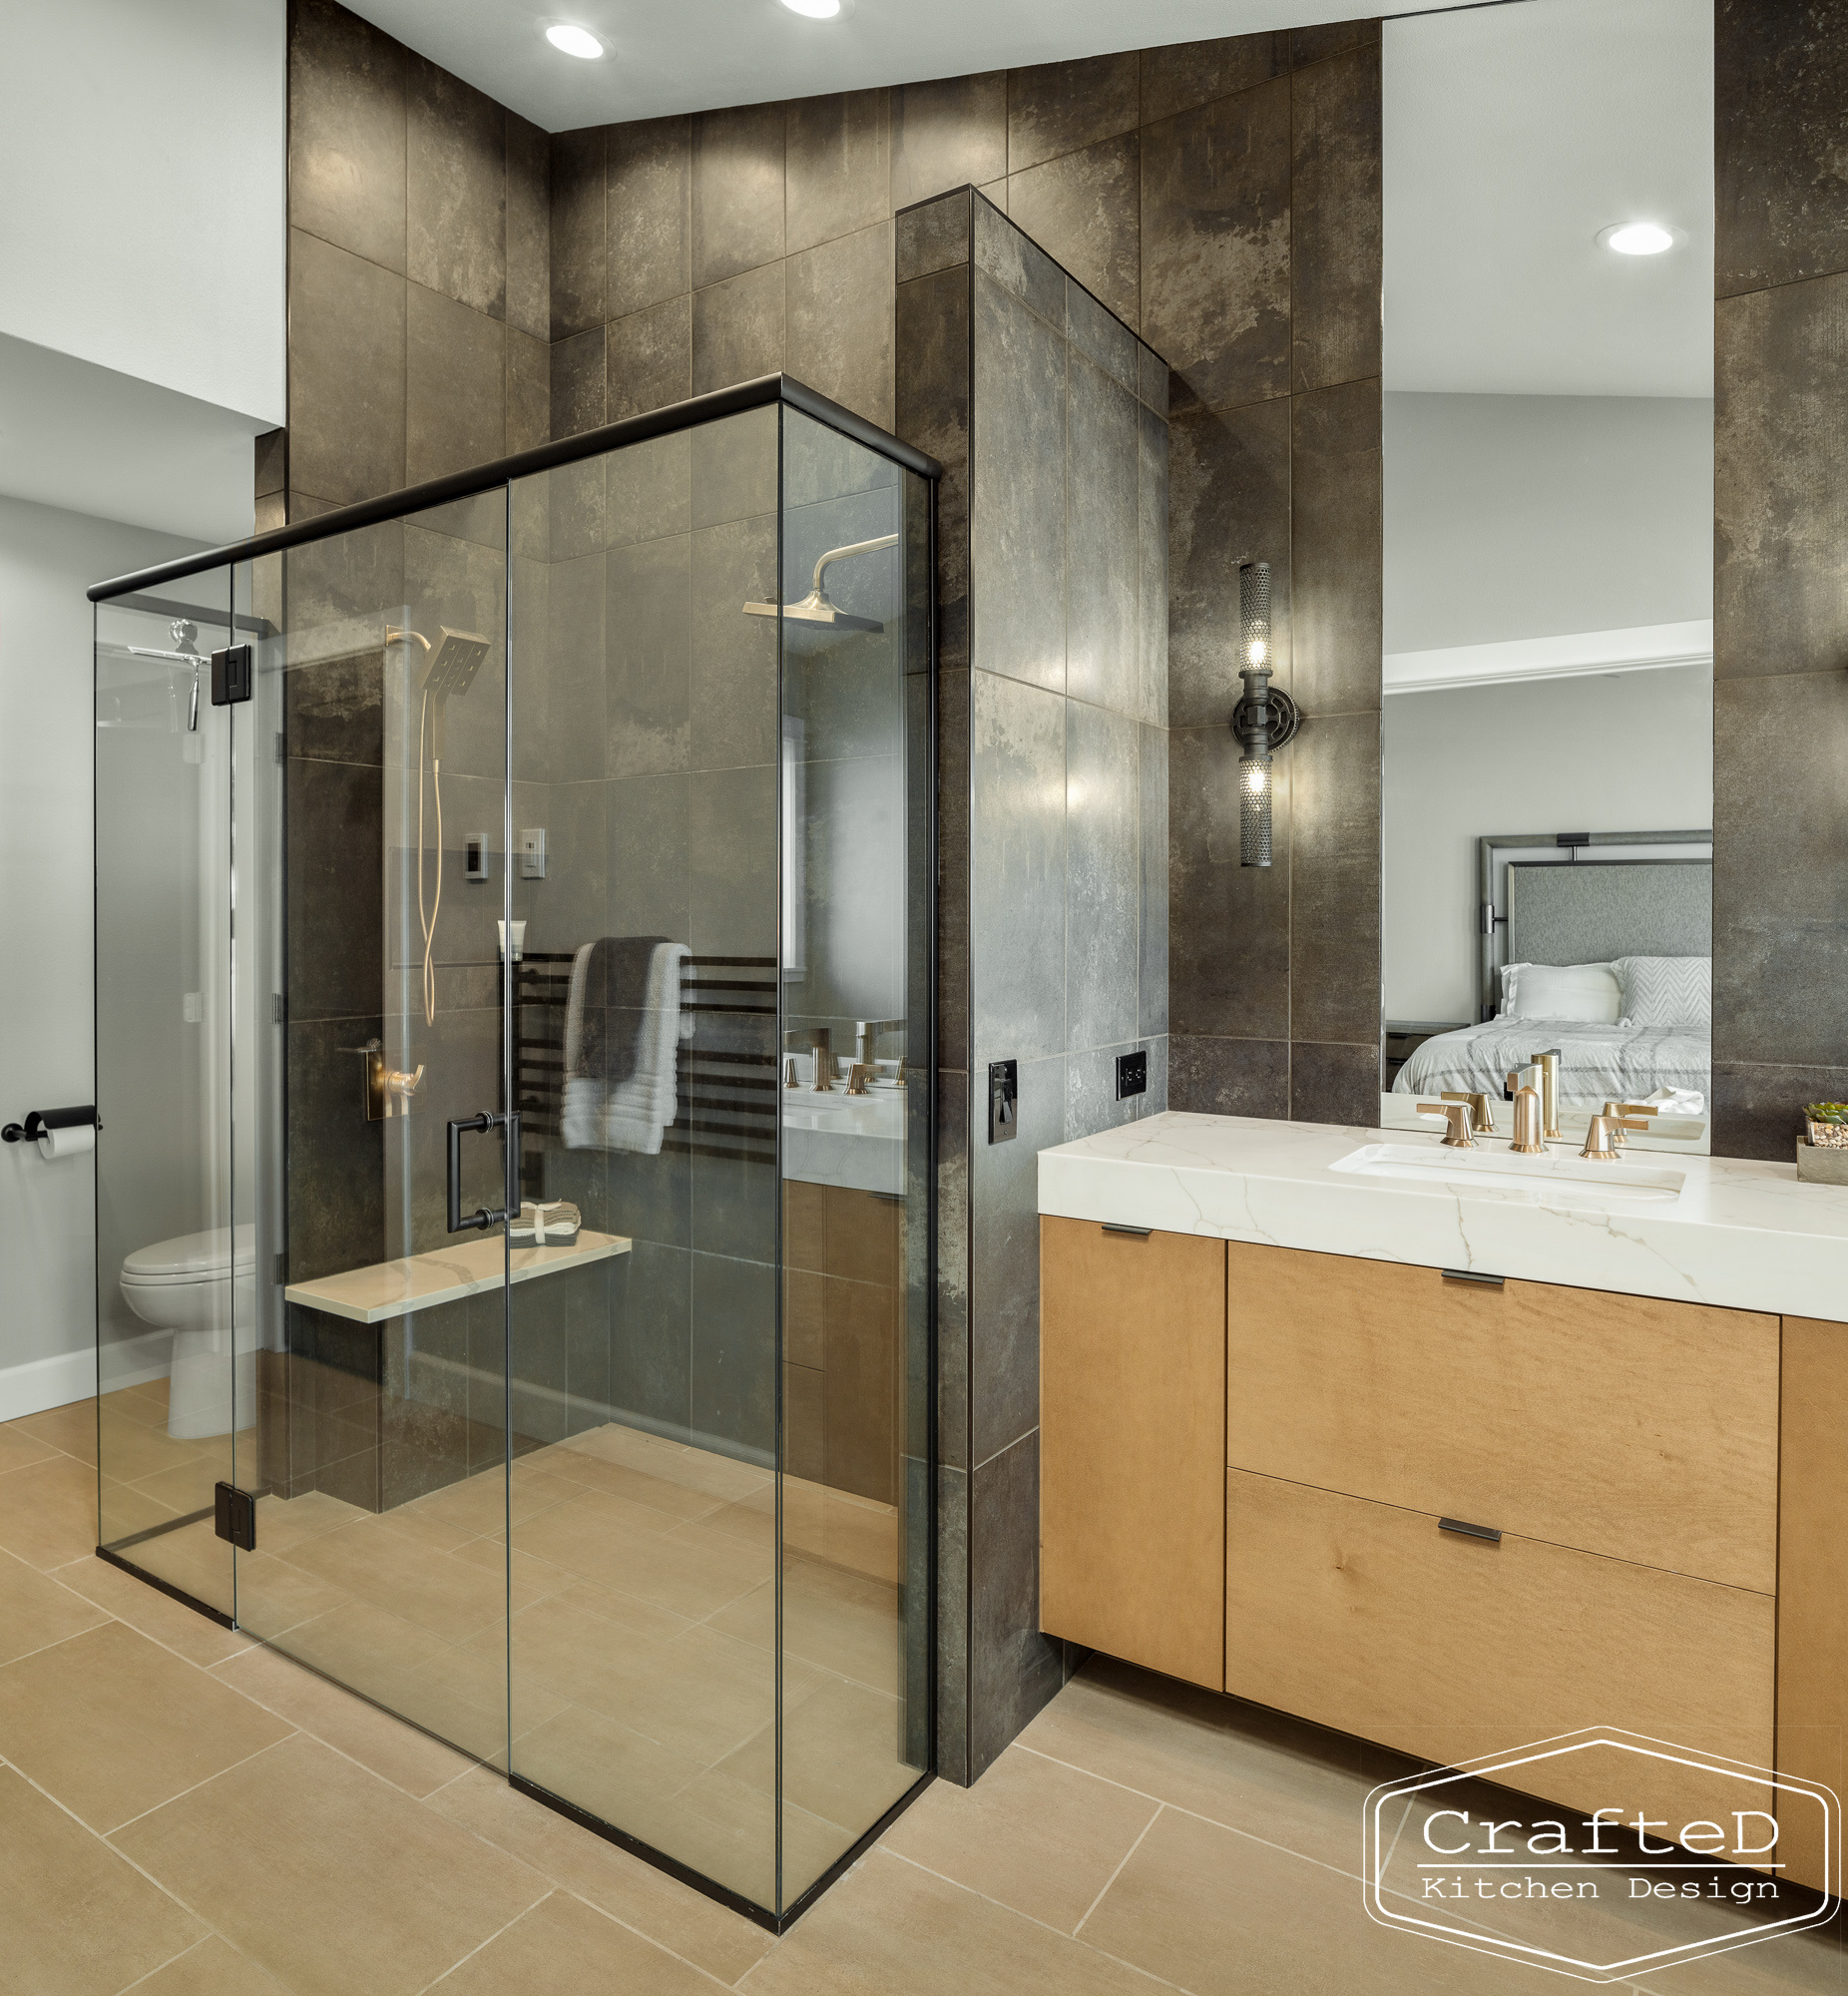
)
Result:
{"points": [[483, 1217]]}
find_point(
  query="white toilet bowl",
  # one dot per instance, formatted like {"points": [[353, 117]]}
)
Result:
{"points": [[187, 1286]]}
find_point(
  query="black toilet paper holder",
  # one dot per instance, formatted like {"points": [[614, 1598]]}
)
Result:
{"points": [[38, 1121]]}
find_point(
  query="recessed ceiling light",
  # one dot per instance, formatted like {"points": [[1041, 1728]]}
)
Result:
{"points": [[574, 41], [1636, 239], [816, 10]]}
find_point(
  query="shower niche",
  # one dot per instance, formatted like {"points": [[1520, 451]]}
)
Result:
{"points": [[515, 1057]]}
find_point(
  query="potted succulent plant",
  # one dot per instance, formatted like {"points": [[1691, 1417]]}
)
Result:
{"points": [[1823, 1157]]}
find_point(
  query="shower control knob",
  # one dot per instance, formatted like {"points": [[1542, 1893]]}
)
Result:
{"points": [[399, 1087]]}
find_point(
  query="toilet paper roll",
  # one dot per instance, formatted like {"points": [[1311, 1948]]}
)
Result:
{"points": [[71, 1142]]}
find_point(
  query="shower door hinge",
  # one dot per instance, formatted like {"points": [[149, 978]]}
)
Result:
{"points": [[278, 1009], [230, 675], [234, 1516]]}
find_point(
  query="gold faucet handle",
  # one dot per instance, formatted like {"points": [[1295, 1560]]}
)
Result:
{"points": [[857, 1075], [1456, 1117], [1482, 1119]]}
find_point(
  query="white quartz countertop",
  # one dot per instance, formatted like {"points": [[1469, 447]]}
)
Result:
{"points": [[1744, 1234]]}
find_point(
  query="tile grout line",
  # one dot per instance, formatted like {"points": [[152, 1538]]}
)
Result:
{"points": [[191, 1947], [629, 1927], [179, 1794], [460, 1959], [1115, 1875]]}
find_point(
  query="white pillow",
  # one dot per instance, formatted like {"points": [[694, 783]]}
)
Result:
{"points": [[1666, 990], [1588, 992]]}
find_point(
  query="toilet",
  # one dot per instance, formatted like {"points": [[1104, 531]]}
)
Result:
{"points": [[186, 1285]]}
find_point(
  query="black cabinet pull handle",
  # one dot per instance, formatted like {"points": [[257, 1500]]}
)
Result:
{"points": [[1138, 1233], [1471, 1276], [1488, 1532], [483, 1217]]}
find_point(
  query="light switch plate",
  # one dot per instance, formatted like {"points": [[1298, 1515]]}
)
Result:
{"points": [[533, 853], [1003, 1101]]}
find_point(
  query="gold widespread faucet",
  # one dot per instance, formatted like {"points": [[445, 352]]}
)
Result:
{"points": [[1549, 1064], [1482, 1119], [1528, 1138], [1616, 1111], [1603, 1137], [1457, 1114]]}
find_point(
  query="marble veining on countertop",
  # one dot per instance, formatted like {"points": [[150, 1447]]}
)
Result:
{"points": [[1743, 1234]]}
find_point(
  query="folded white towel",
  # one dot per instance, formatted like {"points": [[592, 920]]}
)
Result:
{"points": [[637, 1113]]}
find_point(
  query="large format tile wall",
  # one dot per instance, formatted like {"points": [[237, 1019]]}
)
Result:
{"points": [[1223, 199], [1049, 418], [1780, 577]]}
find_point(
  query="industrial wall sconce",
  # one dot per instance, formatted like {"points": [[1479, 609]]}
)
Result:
{"points": [[1263, 721]]}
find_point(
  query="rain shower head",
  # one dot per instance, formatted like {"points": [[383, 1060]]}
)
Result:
{"points": [[451, 663], [815, 608]]}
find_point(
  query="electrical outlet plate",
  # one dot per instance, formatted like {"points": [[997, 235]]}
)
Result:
{"points": [[475, 854], [533, 853], [1132, 1075]]}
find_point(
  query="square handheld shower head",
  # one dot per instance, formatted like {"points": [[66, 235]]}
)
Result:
{"points": [[455, 658]]}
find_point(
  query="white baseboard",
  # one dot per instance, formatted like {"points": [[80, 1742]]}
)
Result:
{"points": [[42, 1384]]}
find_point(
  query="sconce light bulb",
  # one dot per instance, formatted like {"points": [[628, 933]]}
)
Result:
{"points": [[1256, 778], [1257, 651]]}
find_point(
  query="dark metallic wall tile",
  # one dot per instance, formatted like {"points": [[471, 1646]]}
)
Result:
{"points": [[1017, 525], [1222, 1077], [1780, 79], [1102, 555], [1154, 1100], [1228, 498], [335, 709], [336, 915], [1103, 876], [734, 699], [1056, 108], [649, 877], [1091, 1103], [948, 133], [953, 698], [1082, 207], [455, 386], [575, 611], [1780, 575], [272, 463], [1017, 263], [578, 386], [1308, 45], [1228, 925], [455, 189], [737, 191], [1335, 219], [931, 411], [1155, 381], [839, 165], [650, 358], [650, 1320], [1334, 879], [1215, 280], [1780, 870], [932, 237], [953, 1126], [737, 330], [650, 212], [1184, 74], [1018, 867], [580, 232], [1758, 1109], [1102, 337], [1152, 865], [528, 391], [838, 338], [953, 1626], [1014, 1670], [528, 228], [1336, 556], [647, 657], [1004, 1257], [336, 1160], [345, 373], [1152, 569], [346, 132], [1335, 1083], [734, 824]]}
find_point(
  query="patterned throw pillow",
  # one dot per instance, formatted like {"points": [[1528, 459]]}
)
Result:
{"points": [[1666, 990]]}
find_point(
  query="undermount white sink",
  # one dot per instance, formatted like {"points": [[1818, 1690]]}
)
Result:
{"points": [[1491, 1171]]}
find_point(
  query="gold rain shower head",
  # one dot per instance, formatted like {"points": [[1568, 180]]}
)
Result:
{"points": [[815, 608]]}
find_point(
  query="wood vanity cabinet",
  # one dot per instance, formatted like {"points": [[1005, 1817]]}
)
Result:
{"points": [[1669, 1483]]}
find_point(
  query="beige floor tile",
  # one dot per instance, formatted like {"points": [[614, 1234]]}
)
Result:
{"points": [[48, 1511], [408, 1758], [36, 1611], [330, 1878], [1224, 1914], [706, 1694], [70, 1429], [131, 1450], [599, 1764], [804, 1518], [274, 1592], [354, 1640], [145, 1402], [561, 1647], [1252, 1770], [683, 1570], [841, 1755], [888, 1927], [722, 1943], [213, 1968], [1041, 1839], [190, 1557], [110, 1725], [564, 1947], [194, 1635], [861, 1536], [451, 1598], [461, 1697], [842, 1622], [283, 1522], [692, 1469], [95, 1923], [17, 1447], [624, 1479]]}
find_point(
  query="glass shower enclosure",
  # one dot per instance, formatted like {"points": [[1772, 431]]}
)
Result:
{"points": [[515, 940]]}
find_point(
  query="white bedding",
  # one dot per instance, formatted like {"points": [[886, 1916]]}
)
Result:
{"points": [[1596, 1062]]}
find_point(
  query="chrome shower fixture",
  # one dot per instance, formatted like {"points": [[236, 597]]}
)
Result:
{"points": [[815, 608]]}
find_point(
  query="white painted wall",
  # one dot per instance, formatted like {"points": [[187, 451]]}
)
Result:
{"points": [[1527, 516], [47, 1242], [1630, 752]]}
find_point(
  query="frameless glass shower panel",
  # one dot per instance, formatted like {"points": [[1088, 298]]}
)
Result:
{"points": [[172, 1389], [645, 1038], [379, 766], [855, 1110]]}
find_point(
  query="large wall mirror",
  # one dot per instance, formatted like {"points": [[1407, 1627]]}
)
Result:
{"points": [[1549, 476]]}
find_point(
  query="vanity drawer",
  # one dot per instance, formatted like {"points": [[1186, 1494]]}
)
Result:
{"points": [[1625, 1425], [1132, 1445], [1375, 1621]]}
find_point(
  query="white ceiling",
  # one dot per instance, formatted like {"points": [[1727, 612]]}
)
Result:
{"points": [[1513, 135], [694, 55]]}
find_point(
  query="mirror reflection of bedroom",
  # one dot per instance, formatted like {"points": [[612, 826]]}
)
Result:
{"points": [[1548, 423]]}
